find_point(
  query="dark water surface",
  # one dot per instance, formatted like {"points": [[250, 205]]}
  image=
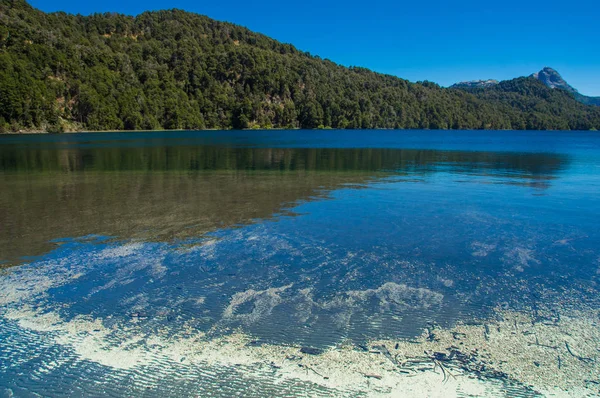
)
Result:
{"points": [[295, 237]]}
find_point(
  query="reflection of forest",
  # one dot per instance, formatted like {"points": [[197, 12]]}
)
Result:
{"points": [[166, 206], [177, 192], [195, 158]]}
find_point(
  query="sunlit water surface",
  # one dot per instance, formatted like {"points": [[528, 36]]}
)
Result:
{"points": [[293, 237]]}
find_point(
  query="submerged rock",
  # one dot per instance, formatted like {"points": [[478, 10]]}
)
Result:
{"points": [[311, 351]]}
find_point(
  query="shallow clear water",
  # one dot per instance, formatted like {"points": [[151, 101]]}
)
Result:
{"points": [[293, 237]]}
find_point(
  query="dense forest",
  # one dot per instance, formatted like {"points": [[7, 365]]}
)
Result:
{"points": [[179, 70]]}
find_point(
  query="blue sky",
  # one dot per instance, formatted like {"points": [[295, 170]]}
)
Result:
{"points": [[441, 41]]}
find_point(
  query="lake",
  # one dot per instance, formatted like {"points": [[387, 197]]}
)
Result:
{"points": [[300, 263]]}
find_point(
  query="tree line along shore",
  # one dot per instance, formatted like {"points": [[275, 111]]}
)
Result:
{"points": [[178, 70]]}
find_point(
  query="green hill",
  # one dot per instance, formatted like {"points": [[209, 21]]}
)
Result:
{"points": [[179, 70]]}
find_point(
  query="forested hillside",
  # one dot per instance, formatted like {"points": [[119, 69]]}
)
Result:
{"points": [[178, 70]]}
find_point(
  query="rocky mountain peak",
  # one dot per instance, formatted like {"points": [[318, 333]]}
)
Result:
{"points": [[553, 79], [476, 84]]}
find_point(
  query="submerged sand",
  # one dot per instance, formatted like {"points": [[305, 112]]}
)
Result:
{"points": [[552, 356]]}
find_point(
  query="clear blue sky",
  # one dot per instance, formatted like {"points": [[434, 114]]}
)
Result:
{"points": [[441, 41]]}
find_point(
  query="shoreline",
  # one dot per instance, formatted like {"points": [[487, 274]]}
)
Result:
{"points": [[42, 132]]}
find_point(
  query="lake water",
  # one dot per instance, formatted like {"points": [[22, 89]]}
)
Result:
{"points": [[130, 262]]}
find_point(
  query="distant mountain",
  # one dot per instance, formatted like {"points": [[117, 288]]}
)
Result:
{"points": [[584, 99], [550, 77], [553, 79], [476, 84]]}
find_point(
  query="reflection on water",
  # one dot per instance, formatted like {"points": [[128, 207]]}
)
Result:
{"points": [[145, 244], [173, 193]]}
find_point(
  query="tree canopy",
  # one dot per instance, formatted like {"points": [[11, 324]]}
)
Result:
{"points": [[178, 70]]}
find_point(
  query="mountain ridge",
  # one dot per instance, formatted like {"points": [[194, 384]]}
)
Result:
{"points": [[173, 69], [547, 75]]}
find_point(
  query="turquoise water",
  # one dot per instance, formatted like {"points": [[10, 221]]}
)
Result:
{"points": [[271, 233]]}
